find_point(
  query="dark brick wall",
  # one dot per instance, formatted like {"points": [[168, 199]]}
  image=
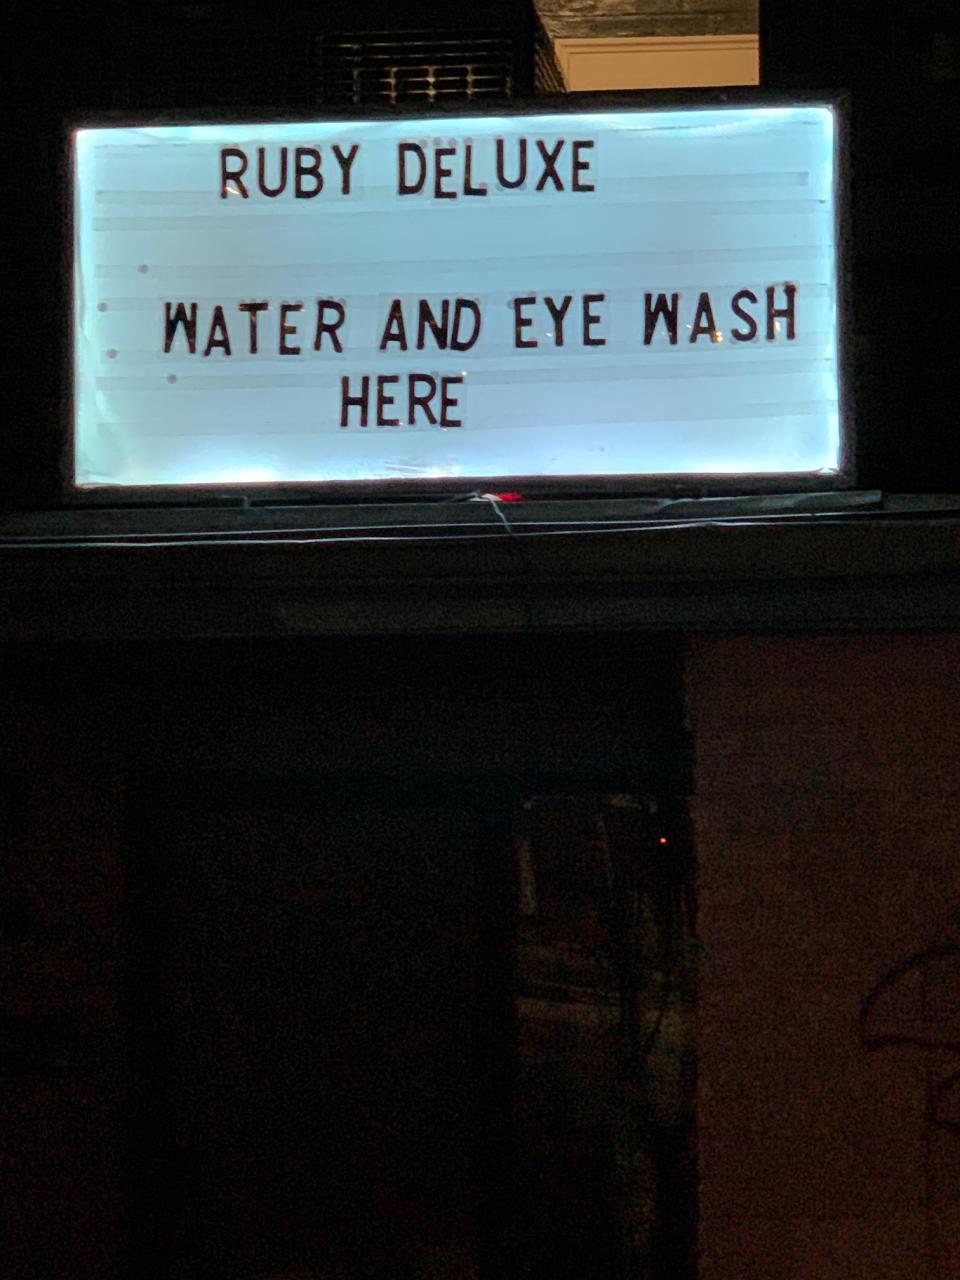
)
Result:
{"points": [[567, 19], [61, 1059], [899, 66], [827, 813]]}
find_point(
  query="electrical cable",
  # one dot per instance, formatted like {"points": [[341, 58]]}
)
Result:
{"points": [[491, 498], [417, 532]]}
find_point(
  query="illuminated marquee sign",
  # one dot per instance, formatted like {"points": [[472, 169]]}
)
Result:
{"points": [[587, 294]]}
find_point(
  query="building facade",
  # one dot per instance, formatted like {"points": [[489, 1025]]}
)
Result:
{"points": [[390, 891]]}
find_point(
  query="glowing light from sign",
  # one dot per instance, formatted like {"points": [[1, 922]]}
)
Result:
{"points": [[576, 295]]}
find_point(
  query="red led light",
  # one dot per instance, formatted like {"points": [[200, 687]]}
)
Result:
{"points": [[509, 497], [664, 840]]}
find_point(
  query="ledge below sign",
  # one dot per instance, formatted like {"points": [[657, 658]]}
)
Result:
{"points": [[589, 295]]}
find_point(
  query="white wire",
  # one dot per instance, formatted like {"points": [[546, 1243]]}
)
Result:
{"points": [[147, 541]]}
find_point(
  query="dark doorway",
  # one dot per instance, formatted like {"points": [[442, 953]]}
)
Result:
{"points": [[322, 1029], [345, 1060]]}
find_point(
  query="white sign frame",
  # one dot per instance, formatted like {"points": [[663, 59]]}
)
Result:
{"points": [[249, 487]]}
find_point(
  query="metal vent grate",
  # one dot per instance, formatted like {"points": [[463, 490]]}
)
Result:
{"points": [[415, 66]]}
